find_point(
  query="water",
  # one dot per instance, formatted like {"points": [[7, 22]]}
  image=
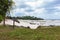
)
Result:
{"points": [[33, 24]]}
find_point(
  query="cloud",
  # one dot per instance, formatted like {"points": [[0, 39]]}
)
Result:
{"points": [[47, 9], [34, 4], [57, 7]]}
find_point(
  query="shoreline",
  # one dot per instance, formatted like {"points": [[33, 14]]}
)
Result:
{"points": [[33, 24]]}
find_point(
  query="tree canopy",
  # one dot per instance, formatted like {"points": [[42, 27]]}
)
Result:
{"points": [[26, 18], [5, 6]]}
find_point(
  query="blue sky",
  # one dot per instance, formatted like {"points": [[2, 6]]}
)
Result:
{"points": [[47, 9]]}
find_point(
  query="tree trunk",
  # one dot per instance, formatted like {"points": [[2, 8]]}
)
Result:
{"points": [[4, 21]]}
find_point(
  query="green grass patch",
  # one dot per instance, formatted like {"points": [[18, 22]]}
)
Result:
{"points": [[8, 33]]}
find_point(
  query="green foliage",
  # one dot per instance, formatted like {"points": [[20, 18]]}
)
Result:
{"points": [[1, 18], [27, 18], [30, 18], [5, 6]]}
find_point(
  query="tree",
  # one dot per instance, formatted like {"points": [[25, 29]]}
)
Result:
{"points": [[29, 18], [5, 6], [0, 18]]}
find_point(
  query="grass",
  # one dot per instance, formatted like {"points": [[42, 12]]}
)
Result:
{"points": [[8, 33]]}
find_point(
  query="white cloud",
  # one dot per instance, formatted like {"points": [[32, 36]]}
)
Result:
{"points": [[39, 11], [16, 2], [37, 6], [57, 7], [38, 3], [36, 13], [49, 0], [35, 3], [57, 13], [16, 11]]}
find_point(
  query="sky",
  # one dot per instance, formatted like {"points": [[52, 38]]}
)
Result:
{"points": [[46, 9]]}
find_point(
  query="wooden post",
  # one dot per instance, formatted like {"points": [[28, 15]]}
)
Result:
{"points": [[13, 24]]}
